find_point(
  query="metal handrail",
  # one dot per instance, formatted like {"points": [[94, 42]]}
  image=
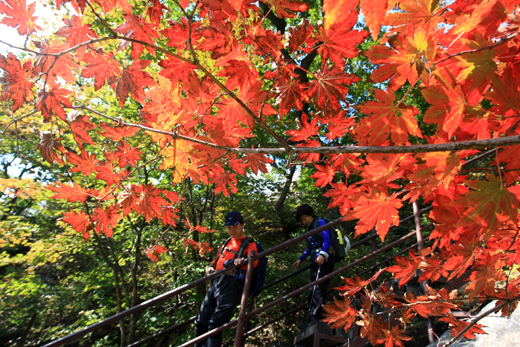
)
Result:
{"points": [[181, 289]]}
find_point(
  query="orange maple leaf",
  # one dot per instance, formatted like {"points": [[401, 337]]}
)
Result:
{"points": [[385, 119], [154, 252], [457, 326], [324, 175], [379, 211], [80, 222], [340, 314], [19, 15], [405, 268], [16, 83]]}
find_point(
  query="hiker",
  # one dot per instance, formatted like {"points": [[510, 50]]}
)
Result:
{"points": [[225, 291], [319, 251]]}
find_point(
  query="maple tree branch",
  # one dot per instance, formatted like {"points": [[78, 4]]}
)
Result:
{"points": [[502, 41], [105, 24], [15, 120], [479, 317], [441, 147], [59, 54]]}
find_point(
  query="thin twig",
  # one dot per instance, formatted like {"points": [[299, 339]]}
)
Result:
{"points": [[476, 50], [18, 119]]}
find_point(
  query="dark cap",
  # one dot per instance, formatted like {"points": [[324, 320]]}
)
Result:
{"points": [[233, 218]]}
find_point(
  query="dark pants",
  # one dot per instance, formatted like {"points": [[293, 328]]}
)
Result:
{"points": [[217, 308], [317, 299]]}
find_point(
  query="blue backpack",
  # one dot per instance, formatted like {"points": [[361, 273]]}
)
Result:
{"points": [[259, 271]]}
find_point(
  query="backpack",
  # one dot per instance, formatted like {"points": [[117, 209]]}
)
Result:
{"points": [[339, 240], [257, 285]]}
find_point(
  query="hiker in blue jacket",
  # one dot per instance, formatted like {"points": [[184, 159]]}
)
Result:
{"points": [[319, 250]]}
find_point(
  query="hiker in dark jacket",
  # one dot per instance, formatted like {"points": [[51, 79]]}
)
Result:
{"points": [[225, 292], [319, 251]]}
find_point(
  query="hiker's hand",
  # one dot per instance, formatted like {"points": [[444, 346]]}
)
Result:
{"points": [[209, 270], [239, 260], [320, 260], [296, 263]]}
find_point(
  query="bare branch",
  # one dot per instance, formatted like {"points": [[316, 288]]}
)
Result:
{"points": [[476, 50], [18, 119], [442, 147]]}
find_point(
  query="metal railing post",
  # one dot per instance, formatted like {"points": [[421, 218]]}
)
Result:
{"points": [[420, 246], [243, 303]]}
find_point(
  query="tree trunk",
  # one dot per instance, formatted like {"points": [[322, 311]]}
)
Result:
{"points": [[286, 189]]}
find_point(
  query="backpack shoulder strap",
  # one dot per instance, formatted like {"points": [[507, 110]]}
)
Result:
{"points": [[243, 246], [224, 244]]}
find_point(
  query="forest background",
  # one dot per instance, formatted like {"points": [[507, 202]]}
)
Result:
{"points": [[130, 131]]}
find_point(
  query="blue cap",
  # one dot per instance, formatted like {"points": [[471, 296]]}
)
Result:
{"points": [[233, 218]]}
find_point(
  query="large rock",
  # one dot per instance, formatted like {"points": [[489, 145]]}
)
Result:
{"points": [[501, 332]]}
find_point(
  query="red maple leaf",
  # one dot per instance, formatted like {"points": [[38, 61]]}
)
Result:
{"points": [[154, 252], [79, 222], [339, 125], [309, 157], [16, 83], [217, 39], [324, 175], [79, 5], [488, 271], [403, 59], [76, 33], [340, 40], [108, 5], [355, 285], [405, 268], [138, 29], [385, 119], [55, 66], [53, 101], [238, 166], [106, 219], [329, 87], [256, 162], [85, 163], [118, 133], [72, 194], [175, 69], [339, 195], [19, 15], [149, 201], [290, 93], [177, 33], [102, 67], [155, 12], [305, 130], [106, 173], [288, 8], [222, 181], [49, 147], [79, 126], [379, 211], [375, 13], [394, 337], [301, 37], [340, 314], [449, 103], [457, 326], [127, 154], [133, 81]]}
